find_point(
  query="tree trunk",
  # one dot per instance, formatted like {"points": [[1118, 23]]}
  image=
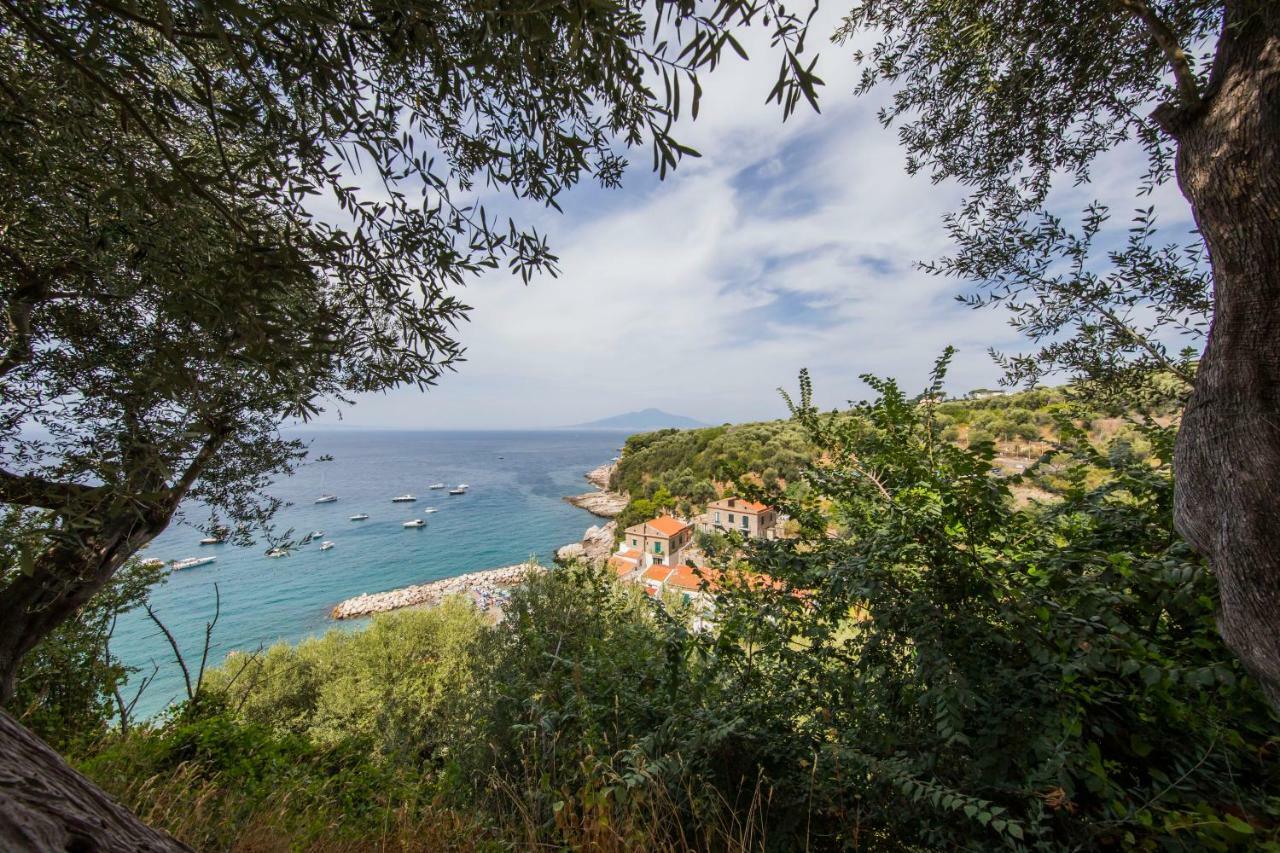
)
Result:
{"points": [[65, 577], [1227, 460], [45, 805]]}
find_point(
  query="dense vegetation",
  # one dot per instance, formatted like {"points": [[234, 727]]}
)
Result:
{"points": [[949, 673], [681, 470]]}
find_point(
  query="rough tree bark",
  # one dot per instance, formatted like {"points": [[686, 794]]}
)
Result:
{"points": [[103, 529], [1227, 459], [47, 806], [65, 576]]}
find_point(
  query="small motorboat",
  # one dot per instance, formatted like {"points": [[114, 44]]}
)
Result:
{"points": [[316, 534], [403, 499], [277, 552], [326, 499], [212, 540], [191, 563], [431, 509], [417, 522], [461, 490], [360, 516], [436, 486], [325, 546]]}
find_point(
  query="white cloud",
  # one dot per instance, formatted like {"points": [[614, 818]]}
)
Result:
{"points": [[786, 246]]}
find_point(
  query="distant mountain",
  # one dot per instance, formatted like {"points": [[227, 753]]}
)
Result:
{"points": [[642, 421]]}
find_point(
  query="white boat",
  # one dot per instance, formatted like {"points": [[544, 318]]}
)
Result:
{"points": [[431, 509], [326, 499], [191, 563], [316, 534], [212, 540], [151, 563], [277, 552], [325, 546], [436, 486], [403, 499], [360, 516], [461, 490], [417, 522]]}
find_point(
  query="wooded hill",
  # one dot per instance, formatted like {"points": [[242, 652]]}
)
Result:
{"points": [[681, 470]]}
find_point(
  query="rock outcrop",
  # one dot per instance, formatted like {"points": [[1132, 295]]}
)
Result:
{"points": [[595, 547], [600, 477], [603, 504]]}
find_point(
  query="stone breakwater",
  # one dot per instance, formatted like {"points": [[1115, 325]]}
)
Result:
{"points": [[487, 583]]}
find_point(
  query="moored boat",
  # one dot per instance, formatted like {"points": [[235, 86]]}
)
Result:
{"points": [[431, 509], [360, 516], [436, 486], [326, 499], [417, 522], [212, 540], [277, 552], [403, 499], [325, 546], [191, 563]]}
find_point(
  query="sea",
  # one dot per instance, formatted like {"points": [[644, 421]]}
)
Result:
{"points": [[513, 510]]}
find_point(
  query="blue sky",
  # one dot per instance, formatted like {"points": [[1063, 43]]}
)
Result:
{"points": [[786, 246]]}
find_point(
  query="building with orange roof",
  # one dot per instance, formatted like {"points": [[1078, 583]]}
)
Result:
{"points": [[750, 518], [626, 562], [661, 540]]}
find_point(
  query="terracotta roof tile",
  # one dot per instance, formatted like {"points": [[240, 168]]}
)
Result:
{"points": [[657, 572], [666, 525]]}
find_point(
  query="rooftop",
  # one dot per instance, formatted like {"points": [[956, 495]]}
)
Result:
{"points": [[740, 504], [664, 524]]}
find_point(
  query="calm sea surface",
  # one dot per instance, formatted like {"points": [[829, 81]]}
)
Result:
{"points": [[514, 510]]}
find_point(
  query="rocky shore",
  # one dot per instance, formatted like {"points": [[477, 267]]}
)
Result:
{"points": [[488, 584], [595, 547], [601, 502], [600, 477]]}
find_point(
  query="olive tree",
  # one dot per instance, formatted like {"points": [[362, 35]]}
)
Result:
{"points": [[1013, 98], [215, 216]]}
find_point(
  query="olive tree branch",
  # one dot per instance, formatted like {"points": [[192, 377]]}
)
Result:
{"points": [[60, 51], [1167, 40]]}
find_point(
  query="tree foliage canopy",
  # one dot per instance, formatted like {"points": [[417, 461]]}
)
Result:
{"points": [[1015, 100]]}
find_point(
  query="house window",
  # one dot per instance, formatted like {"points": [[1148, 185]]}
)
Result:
{"points": [[746, 525], [717, 516], [657, 547], [633, 541], [731, 519]]}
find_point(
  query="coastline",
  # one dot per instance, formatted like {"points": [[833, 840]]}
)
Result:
{"points": [[487, 582], [489, 585], [601, 502]]}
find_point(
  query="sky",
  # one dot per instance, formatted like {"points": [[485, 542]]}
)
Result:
{"points": [[785, 246]]}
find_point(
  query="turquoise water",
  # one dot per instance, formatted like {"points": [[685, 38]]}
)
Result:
{"points": [[514, 509]]}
